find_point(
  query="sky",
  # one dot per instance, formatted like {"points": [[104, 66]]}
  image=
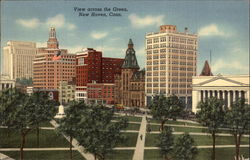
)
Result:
{"points": [[222, 27]]}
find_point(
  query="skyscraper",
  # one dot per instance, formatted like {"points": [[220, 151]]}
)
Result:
{"points": [[171, 63], [52, 65], [17, 59]]}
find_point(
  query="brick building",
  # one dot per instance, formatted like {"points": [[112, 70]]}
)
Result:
{"points": [[92, 67], [100, 93], [52, 65], [129, 85]]}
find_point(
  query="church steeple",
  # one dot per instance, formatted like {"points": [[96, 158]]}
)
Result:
{"points": [[206, 71], [52, 43], [130, 61]]}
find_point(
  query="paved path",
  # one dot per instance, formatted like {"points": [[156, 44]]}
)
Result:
{"points": [[139, 150], [36, 149], [4, 157], [199, 134], [208, 146], [75, 143]]}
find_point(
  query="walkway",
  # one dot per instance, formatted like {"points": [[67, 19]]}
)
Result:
{"points": [[139, 150], [4, 157], [75, 143]]}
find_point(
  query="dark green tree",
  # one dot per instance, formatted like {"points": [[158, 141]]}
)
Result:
{"points": [[166, 142], [9, 99], [97, 134], [211, 115], [184, 148], [44, 109], [238, 121], [164, 108], [69, 124]]}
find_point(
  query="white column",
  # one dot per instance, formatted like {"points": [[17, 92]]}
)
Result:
{"points": [[213, 93], [234, 96], [247, 97], [223, 95], [228, 99]]}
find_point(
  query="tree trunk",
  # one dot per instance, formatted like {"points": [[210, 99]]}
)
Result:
{"points": [[22, 146], [95, 156], [70, 147], [236, 145], [37, 135], [213, 154], [237, 152], [162, 125]]}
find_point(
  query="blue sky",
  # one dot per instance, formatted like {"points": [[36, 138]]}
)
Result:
{"points": [[222, 26]]}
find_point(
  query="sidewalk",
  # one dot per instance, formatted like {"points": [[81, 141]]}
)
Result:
{"points": [[139, 150], [75, 143]]}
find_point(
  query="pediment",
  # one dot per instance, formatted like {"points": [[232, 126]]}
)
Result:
{"points": [[220, 81]]}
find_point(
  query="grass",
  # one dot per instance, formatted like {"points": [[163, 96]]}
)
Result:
{"points": [[130, 118], [203, 154], [45, 155], [48, 138], [151, 140], [131, 139], [175, 122], [120, 155], [132, 126]]}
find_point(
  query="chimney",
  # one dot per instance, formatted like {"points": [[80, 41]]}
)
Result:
{"points": [[186, 30]]}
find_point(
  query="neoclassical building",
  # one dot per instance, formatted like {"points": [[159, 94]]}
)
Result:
{"points": [[226, 87], [130, 84]]}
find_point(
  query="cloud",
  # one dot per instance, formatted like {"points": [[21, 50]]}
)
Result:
{"points": [[71, 26], [211, 30], [57, 21], [98, 35], [140, 22], [29, 23], [233, 66]]}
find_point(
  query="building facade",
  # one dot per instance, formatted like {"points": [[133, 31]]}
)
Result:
{"points": [[92, 67], [229, 88], [52, 65], [129, 85], [66, 91], [171, 59], [6, 83], [17, 59], [100, 93]]}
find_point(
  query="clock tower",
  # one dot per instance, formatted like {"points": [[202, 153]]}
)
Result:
{"points": [[52, 43]]}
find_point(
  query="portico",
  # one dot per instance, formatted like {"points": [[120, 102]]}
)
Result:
{"points": [[228, 88]]}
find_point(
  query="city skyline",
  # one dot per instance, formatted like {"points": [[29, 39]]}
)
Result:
{"points": [[221, 26]]}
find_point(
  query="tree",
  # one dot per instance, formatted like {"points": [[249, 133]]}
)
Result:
{"points": [[44, 109], [238, 121], [19, 113], [166, 142], [211, 115], [9, 99], [97, 134], [184, 148], [69, 124], [164, 108]]}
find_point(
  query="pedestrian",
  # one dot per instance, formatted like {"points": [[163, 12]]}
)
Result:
{"points": [[141, 136]]}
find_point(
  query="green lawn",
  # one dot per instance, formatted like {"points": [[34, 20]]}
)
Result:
{"points": [[131, 139], [48, 138], [131, 118], [120, 155], [45, 155], [203, 154], [175, 122], [151, 140], [132, 126]]}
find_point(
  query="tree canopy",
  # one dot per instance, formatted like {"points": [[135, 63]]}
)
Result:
{"points": [[163, 108]]}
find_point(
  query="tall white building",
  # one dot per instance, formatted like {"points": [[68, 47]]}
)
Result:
{"points": [[171, 63], [17, 59]]}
